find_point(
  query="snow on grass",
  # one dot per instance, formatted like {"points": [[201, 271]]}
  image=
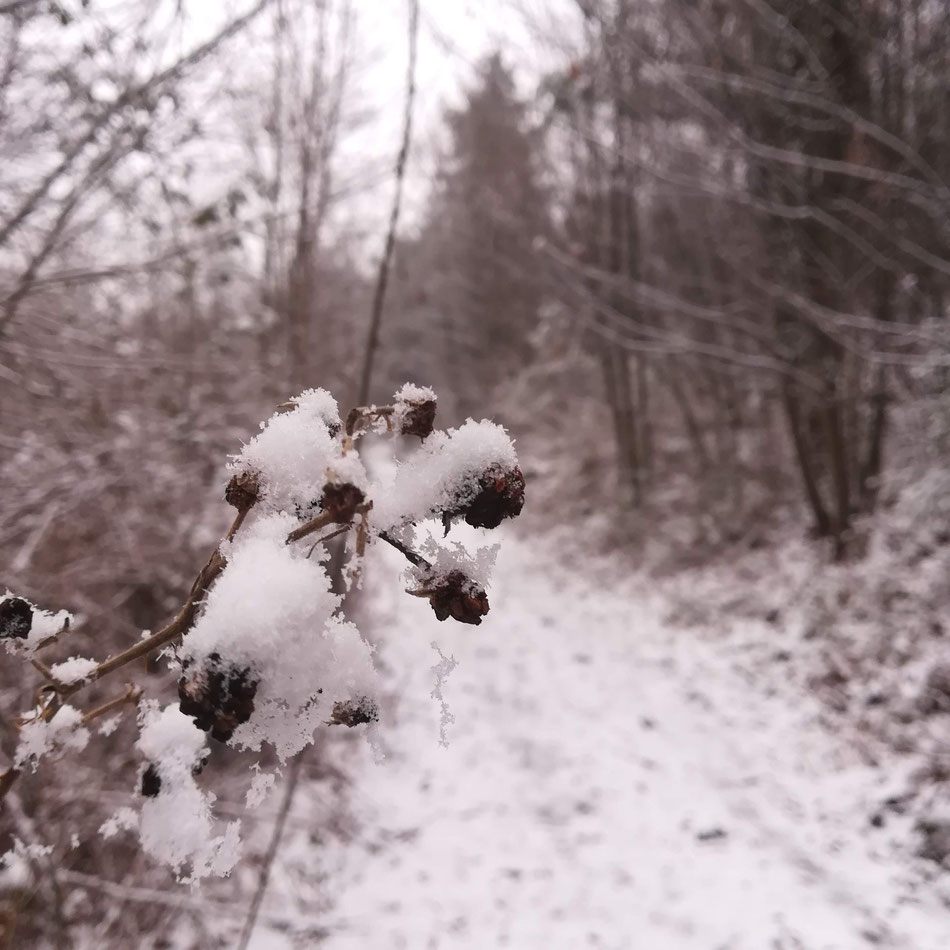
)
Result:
{"points": [[609, 782]]}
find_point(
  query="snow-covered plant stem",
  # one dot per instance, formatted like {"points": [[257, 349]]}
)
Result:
{"points": [[263, 652]]}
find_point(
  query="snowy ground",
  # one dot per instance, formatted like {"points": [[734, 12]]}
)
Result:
{"points": [[609, 782]]}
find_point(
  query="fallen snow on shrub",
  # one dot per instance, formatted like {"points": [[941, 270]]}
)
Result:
{"points": [[270, 620], [445, 475], [24, 626], [73, 670], [174, 823], [265, 654]]}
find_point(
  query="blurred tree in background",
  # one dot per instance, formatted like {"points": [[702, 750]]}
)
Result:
{"points": [[475, 290]]}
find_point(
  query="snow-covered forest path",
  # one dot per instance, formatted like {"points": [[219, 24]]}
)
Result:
{"points": [[609, 782]]}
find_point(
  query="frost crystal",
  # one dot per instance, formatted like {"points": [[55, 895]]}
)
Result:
{"points": [[108, 726], [261, 786], [410, 393], [442, 670]]}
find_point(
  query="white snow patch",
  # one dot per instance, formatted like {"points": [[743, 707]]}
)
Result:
{"points": [[38, 738], [612, 782], [175, 826], [44, 624], [271, 612], [295, 453], [73, 670], [442, 475], [261, 786]]}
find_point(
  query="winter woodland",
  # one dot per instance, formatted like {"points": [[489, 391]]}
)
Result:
{"points": [[475, 475]]}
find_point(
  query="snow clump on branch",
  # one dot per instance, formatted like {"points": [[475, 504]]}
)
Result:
{"points": [[265, 654]]}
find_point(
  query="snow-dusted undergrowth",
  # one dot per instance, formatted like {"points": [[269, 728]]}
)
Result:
{"points": [[613, 780]]}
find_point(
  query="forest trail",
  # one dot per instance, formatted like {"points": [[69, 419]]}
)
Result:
{"points": [[610, 783]]}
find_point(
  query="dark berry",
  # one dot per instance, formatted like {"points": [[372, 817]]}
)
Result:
{"points": [[16, 618], [457, 596], [417, 417], [242, 491], [218, 696], [151, 782], [341, 501], [500, 496]]}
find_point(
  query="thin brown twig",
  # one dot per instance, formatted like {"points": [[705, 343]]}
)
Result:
{"points": [[290, 790], [328, 537], [404, 550], [181, 624], [43, 669], [321, 521], [131, 696], [236, 525]]}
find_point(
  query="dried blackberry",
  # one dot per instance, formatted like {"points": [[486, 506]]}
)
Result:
{"points": [[151, 782], [340, 501], [416, 417], [152, 778], [242, 491], [500, 495], [457, 596], [219, 697], [16, 618], [354, 712]]}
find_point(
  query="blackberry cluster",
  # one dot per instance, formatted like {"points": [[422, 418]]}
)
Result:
{"points": [[455, 595], [16, 618], [218, 696], [500, 495], [417, 417]]}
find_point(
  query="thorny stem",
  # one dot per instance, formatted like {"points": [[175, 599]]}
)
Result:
{"points": [[180, 625]]}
